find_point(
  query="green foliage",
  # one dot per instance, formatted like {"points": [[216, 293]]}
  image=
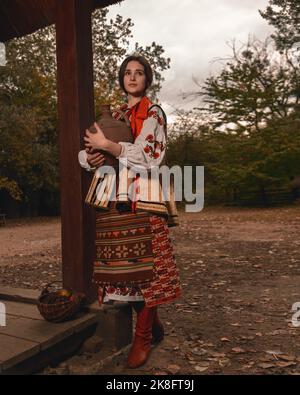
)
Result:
{"points": [[154, 54], [237, 164], [11, 187], [249, 136], [111, 40], [247, 131], [284, 16], [29, 160], [255, 86], [28, 119]]}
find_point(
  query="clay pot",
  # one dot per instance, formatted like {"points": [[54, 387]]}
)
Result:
{"points": [[114, 130]]}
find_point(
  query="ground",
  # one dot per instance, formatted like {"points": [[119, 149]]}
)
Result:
{"points": [[240, 276]]}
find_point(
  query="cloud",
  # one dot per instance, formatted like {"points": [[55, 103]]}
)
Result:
{"points": [[193, 33]]}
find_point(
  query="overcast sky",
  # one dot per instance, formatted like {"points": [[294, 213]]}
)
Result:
{"points": [[193, 33]]}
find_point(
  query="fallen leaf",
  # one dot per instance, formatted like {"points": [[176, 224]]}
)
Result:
{"points": [[283, 364], [277, 332], [275, 353], [174, 369], [247, 337], [248, 366], [217, 354], [236, 324], [238, 350], [225, 339], [289, 358], [267, 358], [198, 352], [223, 362], [266, 365], [208, 344], [202, 367]]}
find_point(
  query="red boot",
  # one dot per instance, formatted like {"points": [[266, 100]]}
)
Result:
{"points": [[157, 327], [141, 346]]}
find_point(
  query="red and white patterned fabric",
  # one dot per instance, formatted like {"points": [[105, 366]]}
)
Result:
{"points": [[148, 150], [166, 284], [149, 145]]}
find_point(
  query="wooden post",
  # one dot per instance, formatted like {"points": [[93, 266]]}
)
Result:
{"points": [[76, 113]]}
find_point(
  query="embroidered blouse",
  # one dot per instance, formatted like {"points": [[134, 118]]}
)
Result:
{"points": [[148, 149]]}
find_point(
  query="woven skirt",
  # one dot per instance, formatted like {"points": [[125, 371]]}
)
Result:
{"points": [[134, 257]]}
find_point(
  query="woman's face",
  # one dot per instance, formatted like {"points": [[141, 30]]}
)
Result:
{"points": [[135, 79]]}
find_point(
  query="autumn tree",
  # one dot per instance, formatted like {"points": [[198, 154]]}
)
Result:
{"points": [[111, 41], [28, 129], [252, 143], [255, 86], [28, 100], [284, 16]]}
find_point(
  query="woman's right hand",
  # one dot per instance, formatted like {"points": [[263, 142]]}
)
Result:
{"points": [[95, 158]]}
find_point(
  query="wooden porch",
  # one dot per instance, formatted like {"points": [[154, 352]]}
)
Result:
{"points": [[28, 343]]}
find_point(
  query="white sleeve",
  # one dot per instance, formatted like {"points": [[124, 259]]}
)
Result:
{"points": [[82, 158], [149, 147]]}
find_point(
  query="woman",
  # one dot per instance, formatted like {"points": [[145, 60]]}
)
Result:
{"points": [[147, 151]]}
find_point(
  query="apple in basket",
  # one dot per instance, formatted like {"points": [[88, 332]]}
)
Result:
{"points": [[64, 293]]}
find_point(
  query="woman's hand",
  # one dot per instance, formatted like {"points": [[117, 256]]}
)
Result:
{"points": [[94, 158], [95, 140]]}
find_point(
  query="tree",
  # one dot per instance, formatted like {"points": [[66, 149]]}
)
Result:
{"points": [[28, 115], [284, 16], [251, 142], [28, 125], [111, 41], [255, 86], [237, 165]]}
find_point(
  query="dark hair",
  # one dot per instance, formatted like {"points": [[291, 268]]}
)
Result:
{"points": [[147, 68]]}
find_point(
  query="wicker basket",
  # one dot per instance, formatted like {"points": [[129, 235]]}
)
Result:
{"points": [[59, 305]]}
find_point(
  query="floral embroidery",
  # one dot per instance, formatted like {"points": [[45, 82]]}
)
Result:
{"points": [[154, 147], [154, 114], [122, 290]]}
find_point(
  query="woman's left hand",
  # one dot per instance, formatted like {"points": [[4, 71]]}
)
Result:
{"points": [[95, 140]]}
